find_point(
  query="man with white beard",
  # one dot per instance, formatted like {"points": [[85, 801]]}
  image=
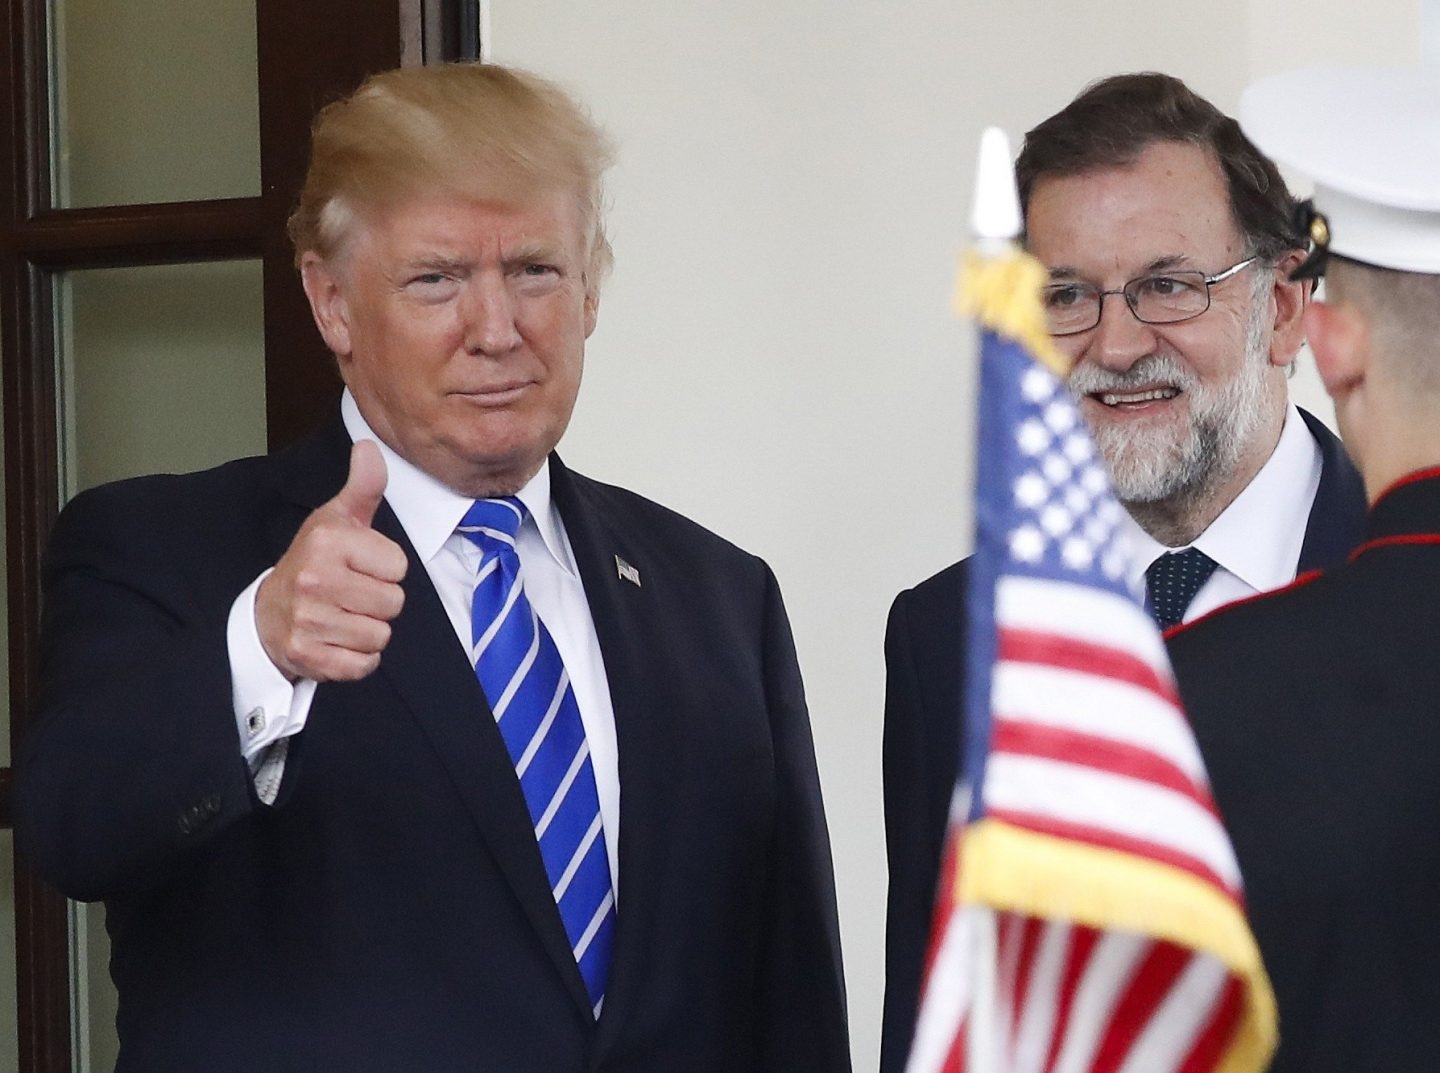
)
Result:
{"points": [[1169, 240]]}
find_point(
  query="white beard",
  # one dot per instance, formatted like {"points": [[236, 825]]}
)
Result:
{"points": [[1151, 464]]}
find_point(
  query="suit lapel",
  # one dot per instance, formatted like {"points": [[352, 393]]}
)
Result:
{"points": [[1337, 517], [628, 625], [426, 668]]}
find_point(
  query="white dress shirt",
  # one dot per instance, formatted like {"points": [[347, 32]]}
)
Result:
{"points": [[269, 709], [1256, 540]]}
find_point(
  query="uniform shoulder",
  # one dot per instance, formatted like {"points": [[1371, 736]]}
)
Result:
{"points": [[1290, 624]]}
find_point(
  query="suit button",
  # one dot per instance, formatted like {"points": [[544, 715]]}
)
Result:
{"points": [[197, 815]]}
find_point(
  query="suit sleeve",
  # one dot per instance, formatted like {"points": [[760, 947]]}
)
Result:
{"points": [[133, 761], [913, 861], [802, 1022]]}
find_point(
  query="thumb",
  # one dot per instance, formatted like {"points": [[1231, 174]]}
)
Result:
{"points": [[365, 486]]}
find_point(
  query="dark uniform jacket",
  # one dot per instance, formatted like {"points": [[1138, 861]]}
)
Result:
{"points": [[924, 660], [1322, 739], [391, 911]]}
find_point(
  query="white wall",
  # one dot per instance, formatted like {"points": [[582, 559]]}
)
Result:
{"points": [[775, 354]]}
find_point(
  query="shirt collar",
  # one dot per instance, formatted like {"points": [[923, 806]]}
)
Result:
{"points": [[1258, 536], [430, 512]]}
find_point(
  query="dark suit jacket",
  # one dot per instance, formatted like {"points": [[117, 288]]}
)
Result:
{"points": [[1321, 741], [391, 911], [924, 659]]}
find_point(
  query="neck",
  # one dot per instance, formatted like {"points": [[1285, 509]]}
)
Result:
{"points": [[1385, 463], [1175, 522], [1178, 519]]}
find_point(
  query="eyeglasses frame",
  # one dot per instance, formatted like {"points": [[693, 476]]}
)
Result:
{"points": [[1123, 291]]}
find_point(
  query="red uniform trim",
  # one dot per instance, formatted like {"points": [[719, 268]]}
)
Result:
{"points": [[1303, 579], [1391, 541], [1427, 474]]}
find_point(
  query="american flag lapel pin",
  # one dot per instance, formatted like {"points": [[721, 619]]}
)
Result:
{"points": [[625, 572]]}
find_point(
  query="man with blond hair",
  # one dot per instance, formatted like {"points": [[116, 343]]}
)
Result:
{"points": [[410, 749]]}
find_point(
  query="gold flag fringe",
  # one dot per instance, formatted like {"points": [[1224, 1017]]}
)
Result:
{"points": [[1002, 293]]}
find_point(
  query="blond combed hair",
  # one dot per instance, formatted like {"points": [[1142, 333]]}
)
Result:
{"points": [[473, 130]]}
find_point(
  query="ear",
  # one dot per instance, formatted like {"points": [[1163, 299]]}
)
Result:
{"points": [[592, 308], [1291, 299], [327, 302], [1340, 340]]}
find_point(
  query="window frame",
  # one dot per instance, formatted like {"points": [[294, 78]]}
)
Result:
{"points": [[307, 54]]}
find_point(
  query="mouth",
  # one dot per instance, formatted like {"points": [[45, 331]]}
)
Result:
{"points": [[1134, 399], [496, 394]]}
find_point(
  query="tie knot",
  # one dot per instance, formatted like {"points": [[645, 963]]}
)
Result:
{"points": [[1172, 582], [492, 521]]}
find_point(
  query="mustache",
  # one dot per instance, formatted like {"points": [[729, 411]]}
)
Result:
{"points": [[1089, 379]]}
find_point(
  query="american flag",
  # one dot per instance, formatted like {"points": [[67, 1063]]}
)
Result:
{"points": [[1090, 915]]}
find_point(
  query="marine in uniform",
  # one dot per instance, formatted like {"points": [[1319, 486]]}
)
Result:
{"points": [[1321, 734]]}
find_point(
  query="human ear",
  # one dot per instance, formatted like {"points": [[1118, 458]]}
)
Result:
{"points": [[1339, 339], [327, 302], [1291, 299], [592, 308]]}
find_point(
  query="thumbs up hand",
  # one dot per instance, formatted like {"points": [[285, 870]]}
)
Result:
{"points": [[325, 610]]}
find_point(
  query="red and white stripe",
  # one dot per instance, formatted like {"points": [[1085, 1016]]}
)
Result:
{"points": [[1089, 743]]}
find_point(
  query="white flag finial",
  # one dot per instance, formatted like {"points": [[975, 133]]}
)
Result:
{"points": [[996, 215]]}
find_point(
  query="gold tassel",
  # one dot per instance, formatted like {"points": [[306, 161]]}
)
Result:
{"points": [[1002, 293]]}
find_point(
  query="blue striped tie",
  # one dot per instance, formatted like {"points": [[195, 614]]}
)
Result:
{"points": [[529, 691]]}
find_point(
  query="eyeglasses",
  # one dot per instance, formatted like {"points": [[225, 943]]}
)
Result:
{"points": [[1164, 298]]}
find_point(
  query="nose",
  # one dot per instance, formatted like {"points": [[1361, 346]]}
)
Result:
{"points": [[489, 311], [1120, 339]]}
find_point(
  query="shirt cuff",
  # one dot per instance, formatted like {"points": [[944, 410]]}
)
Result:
{"points": [[268, 707]]}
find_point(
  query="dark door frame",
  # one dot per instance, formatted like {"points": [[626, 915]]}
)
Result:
{"points": [[307, 54]]}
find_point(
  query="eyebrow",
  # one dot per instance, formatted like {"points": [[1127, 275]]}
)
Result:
{"points": [[537, 250], [1166, 263], [430, 262]]}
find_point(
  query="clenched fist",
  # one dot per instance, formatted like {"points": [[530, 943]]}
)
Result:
{"points": [[325, 611]]}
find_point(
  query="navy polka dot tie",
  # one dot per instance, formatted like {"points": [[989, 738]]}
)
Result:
{"points": [[1172, 581]]}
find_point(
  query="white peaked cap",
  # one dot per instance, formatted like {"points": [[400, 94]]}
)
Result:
{"points": [[1370, 139]]}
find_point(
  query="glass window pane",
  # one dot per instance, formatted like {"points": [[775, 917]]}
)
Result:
{"points": [[153, 101], [162, 369]]}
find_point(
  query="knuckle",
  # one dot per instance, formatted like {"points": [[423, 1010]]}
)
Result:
{"points": [[309, 581]]}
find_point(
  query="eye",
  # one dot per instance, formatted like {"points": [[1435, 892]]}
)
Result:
{"points": [[1165, 287], [537, 278], [430, 282], [432, 287], [1065, 295]]}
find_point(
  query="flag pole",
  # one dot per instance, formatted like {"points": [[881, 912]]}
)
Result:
{"points": [[995, 221]]}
